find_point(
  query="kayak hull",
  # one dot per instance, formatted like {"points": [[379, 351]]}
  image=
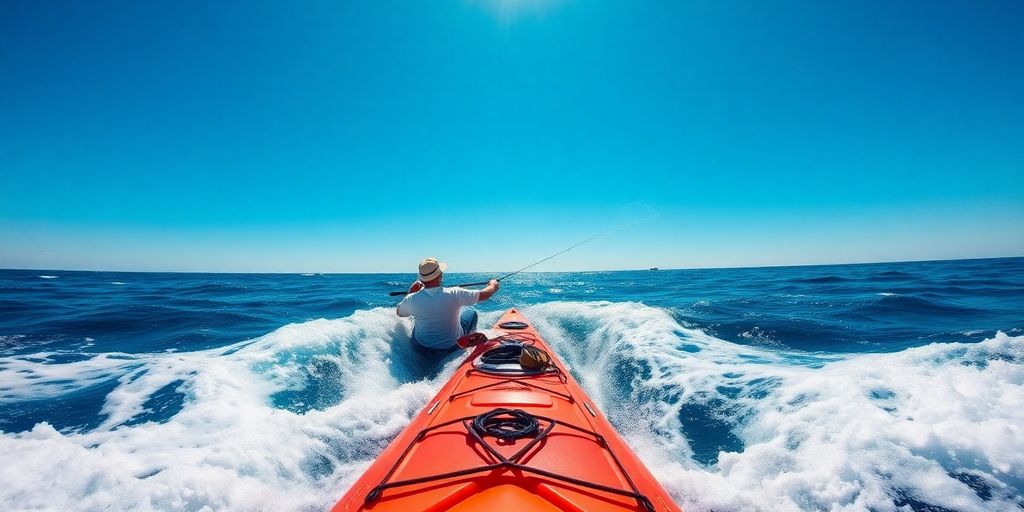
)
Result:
{"points": [[573, 460]]}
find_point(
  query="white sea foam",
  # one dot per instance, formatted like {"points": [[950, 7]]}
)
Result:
{"points": [[759, 336], [48, 277], [817, 431], [30, 377], [8, 342], [228, 448]]}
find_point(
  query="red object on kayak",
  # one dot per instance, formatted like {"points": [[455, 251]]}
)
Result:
{"points": [[500, 437], [471, 339]]}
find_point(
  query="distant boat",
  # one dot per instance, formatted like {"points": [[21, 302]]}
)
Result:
{"points": [[654, 268]]}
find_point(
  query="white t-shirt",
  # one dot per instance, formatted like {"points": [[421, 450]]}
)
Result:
{"points": [[436, 311]]}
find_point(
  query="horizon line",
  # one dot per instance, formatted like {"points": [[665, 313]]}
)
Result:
{"points": [[738, 267]]}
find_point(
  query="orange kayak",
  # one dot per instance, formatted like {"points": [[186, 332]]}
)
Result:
{"points": [[508, 434]]}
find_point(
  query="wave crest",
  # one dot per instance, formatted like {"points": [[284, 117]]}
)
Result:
{"points": [[288, 420]]}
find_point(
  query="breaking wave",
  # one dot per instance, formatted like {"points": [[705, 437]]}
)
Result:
{"points": [[289, 420]]}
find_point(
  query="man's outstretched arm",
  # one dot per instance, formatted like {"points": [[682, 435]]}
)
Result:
{"points": [[492, 287], [416, 286]]}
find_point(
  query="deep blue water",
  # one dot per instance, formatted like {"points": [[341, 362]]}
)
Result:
{"points": [[846, 308], [904, 374]]}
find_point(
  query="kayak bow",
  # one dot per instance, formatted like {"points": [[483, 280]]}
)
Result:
{"points": [[499, 436]]}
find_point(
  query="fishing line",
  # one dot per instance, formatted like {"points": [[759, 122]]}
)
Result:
{"points": [[559, 253], [595, 237]]}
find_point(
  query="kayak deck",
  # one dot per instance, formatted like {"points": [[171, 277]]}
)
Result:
{"points": [[500, 437]]}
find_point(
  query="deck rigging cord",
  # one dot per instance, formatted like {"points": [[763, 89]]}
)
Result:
{"points": [[506, 424], [559, 253]]}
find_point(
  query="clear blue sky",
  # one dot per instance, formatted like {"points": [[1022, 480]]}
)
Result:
{"points": [[362, 136]]}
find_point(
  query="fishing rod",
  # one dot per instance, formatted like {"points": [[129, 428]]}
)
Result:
{"points": [[481, 283], [559, 253]]}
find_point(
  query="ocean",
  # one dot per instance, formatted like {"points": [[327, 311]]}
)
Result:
{"points": [[881, 387]]}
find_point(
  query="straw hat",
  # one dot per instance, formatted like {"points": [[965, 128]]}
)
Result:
{"points": [[431, 269]]}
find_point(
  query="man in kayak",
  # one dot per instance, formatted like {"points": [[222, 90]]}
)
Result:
{"points": [[437, 311]]}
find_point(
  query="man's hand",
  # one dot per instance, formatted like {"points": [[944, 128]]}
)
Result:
{"points": [[416, 286], [492, 287]]}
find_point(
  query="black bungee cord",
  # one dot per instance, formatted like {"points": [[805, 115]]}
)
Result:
{"points": [[506, 424]]}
